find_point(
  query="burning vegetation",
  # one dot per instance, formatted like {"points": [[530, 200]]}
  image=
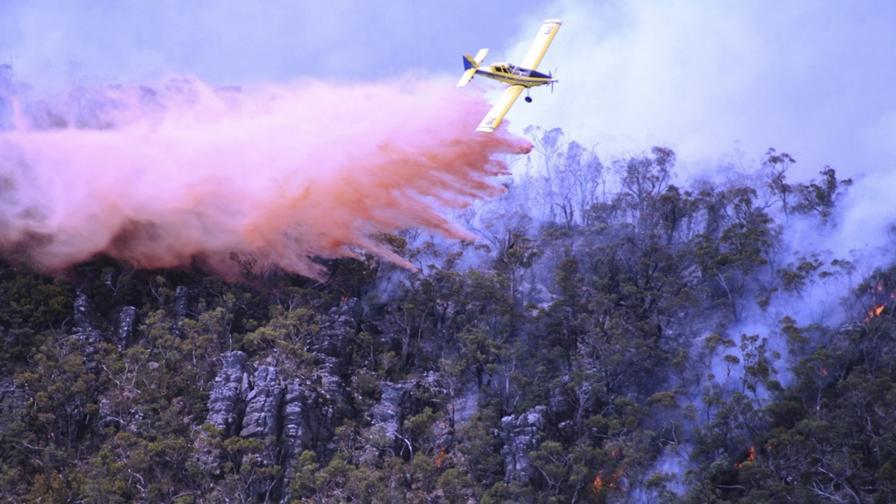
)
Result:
{"points": [[751, 458], [342, 390]]}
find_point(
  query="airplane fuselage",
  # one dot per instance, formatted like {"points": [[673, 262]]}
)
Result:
{"points": [[514, 75]]}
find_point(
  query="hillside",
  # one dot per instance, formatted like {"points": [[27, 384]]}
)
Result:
{"points": [[609, 337]]}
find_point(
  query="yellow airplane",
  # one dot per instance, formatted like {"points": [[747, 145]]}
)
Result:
{"points": [[519, 77]]}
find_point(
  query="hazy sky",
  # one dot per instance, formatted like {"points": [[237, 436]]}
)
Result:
{"points": [[714, 79], [238, 41]]}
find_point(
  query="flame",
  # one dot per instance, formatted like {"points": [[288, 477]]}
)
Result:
{"points": [[598, 483], [751, 458], [874, 312], [440, 457]]}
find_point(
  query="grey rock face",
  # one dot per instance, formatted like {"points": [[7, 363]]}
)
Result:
{"points": [[286, 418], [228, 394], [12, 400], [126, 319], [263, 404], [386, 420], [226, 405], [300, 421], [181, 307], [338, 327], [181, 301], [520, 436], [82, 312], [387, 412], [262, 422], [84, 330], [335, 405]]}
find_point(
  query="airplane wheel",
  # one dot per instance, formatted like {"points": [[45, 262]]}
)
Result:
{"points": [[528, 99]]}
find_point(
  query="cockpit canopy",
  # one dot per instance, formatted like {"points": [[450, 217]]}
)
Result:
{"points": [[507, 68], [510, 69]]}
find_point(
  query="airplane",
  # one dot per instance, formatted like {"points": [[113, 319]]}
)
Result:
{"points": [[519, 77]]}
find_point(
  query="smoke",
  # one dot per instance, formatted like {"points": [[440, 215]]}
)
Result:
{"points": [[159, 177], [721, 82]]}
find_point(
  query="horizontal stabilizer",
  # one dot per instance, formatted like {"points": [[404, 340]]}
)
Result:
{"points": [[466, 77], [480, 56]]}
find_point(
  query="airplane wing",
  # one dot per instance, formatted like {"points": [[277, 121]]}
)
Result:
{"points": [[540, 45], [500, 108]]}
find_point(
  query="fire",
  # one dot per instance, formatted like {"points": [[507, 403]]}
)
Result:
{"points": [[874, 312], [751, 458], [598, 483], [440, 457]]}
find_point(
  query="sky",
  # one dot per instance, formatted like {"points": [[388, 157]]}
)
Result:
{"points": [[725, 80], [716, 80], [240, 41]]}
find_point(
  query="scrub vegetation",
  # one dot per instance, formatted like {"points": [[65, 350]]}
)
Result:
{"points": [[610, 336]]}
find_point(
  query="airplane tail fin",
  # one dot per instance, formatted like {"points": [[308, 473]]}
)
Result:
{"points": [[471, 63]]}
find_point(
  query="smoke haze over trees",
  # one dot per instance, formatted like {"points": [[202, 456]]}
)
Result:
{"points": [[610, 336]]}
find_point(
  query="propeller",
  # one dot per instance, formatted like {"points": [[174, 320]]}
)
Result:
{"points": [[551, 76]]}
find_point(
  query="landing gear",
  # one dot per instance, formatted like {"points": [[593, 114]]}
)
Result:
{"points": [[528, 99]]}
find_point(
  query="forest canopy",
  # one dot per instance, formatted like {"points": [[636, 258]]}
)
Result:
{"points": [[613, 335]]}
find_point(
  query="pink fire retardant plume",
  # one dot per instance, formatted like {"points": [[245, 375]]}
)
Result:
{"points": [[160, 177]]}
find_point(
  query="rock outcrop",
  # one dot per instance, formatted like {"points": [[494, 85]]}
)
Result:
{"points": [[12, 400], [301, 424], [262, 422], [263, 404], [181, 308], [125, 332], [387, 413], [85, 332], [228, 395], [328, 348], [520, 435]]}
